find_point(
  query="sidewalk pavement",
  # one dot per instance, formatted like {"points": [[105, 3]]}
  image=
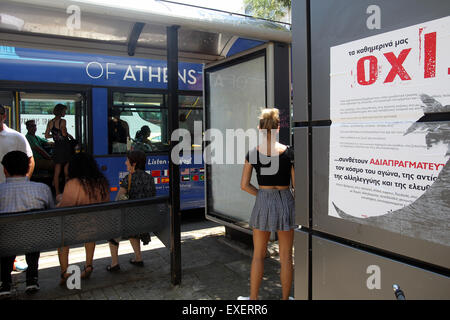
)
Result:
{"points": [[214, 267]]}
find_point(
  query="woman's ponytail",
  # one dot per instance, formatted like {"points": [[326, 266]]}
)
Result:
{"points": [[269, 119]]}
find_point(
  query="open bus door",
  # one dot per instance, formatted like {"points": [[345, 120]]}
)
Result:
{"points": [[38, 105], [235, 90]]}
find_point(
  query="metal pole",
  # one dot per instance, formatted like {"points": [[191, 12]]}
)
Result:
{"points": [[174, 169]]}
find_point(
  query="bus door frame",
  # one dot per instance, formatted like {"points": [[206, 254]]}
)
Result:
{"points": [[16, 88]]}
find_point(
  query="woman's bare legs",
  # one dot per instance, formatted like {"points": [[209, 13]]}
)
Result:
{"points": [[260, 239], [90, 249], [285, 243], [136, 244], [66, 172], [56, 178], [114, 254], [63, 256]]}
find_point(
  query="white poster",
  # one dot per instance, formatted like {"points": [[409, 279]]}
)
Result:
{"points": [[381, 78], [388, 152]]}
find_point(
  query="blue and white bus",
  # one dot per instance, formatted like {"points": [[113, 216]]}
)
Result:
{"points": [[96, 87], [113, 63]]}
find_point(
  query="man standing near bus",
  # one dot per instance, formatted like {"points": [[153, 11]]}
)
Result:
{"points": [[11, 140]]}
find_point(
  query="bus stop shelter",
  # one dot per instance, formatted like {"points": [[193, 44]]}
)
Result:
{"points": [[151, 29]]}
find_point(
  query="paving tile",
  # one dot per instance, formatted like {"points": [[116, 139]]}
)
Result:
{"points": [[110, 293], [213, 268]]}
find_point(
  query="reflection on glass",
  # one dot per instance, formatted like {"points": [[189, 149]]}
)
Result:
{"points": [[190, 111], [236, 96]]}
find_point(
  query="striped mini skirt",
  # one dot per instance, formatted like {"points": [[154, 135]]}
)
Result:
{"points": [[274, 210]]}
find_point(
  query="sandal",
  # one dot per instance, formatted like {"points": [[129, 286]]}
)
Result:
{"points": [[137, 263], [64, 277], [113, 269], [86, 274]]}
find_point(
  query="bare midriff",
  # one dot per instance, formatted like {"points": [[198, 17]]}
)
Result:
{"points": [[274, 187]]}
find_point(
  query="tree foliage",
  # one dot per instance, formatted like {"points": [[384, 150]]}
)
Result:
{"points": [[268, 9]]}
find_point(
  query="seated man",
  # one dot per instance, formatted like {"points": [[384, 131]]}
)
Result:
{"points": [[42, 158], [18, 194]]}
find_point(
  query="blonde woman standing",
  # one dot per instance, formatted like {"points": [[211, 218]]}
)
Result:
{"points": [[274, 206]]}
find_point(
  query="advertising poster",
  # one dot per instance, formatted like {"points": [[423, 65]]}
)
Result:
{"points": [[390, 137]]}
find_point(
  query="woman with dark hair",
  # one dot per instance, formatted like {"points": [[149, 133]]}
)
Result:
{"points": [[86, 185], [137, 184], [56, 129], [142, 141]]}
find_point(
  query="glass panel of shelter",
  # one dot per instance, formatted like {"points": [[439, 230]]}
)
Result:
{"points": [[191, 111]]}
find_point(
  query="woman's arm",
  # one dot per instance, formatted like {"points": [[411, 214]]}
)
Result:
{"points": [[47, 131], [63, 128], [293, 178], [31, 165], [122, 191], [245, 180]]}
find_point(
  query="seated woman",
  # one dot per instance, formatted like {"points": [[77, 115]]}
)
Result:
{"points": [[138, 184], [86, 185], [142, 141]]}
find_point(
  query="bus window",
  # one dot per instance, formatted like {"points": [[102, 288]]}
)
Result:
{"points": [[138, 121], [191, 110], [39, 107]]}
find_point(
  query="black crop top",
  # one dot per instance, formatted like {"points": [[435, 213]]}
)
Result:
{"points": [[268, 176]]}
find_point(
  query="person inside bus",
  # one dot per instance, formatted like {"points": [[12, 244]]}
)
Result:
{"points": [[56, 129], [86, 185], [118, 132], [274, 205], [137, 184], [42, 157], [142, 141]]}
